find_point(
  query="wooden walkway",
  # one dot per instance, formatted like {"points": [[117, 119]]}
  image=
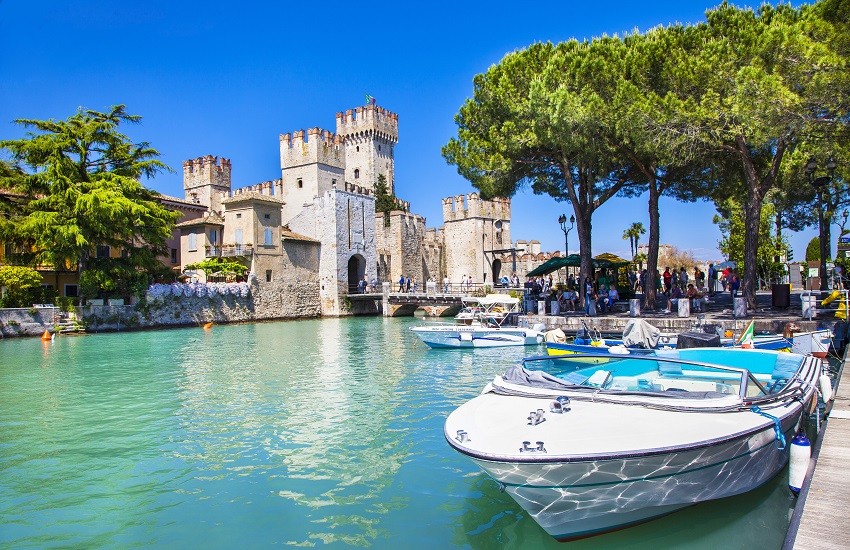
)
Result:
{"points": [[821, 519]]}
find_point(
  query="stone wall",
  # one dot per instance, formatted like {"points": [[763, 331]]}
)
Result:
{"points": [[26, 321], [402, 242], [294, 296]]}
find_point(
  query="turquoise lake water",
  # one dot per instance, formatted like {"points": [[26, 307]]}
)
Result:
{"points": [[319, 433]]}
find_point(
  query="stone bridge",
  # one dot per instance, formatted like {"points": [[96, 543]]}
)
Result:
{"points": [[404, 304]]}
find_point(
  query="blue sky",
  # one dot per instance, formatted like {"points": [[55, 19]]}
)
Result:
{"points": [[226, 78]]}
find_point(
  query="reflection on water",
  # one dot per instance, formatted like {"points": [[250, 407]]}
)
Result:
{"points": [[307, 433]]}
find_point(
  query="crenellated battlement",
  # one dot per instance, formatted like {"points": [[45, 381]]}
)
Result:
{"points": [[471, 205], [313, 146], [369, 120], [206, 170]]}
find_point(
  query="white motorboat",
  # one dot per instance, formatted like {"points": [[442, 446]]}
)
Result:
{"points": [[484, 322], [587, 448], [814, 342]]}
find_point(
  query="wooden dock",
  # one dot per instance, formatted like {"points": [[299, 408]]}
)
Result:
{"points": [[821, 519]]}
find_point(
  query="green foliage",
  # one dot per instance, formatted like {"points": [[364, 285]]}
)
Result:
{"points": [[813, 250], [23, 286], [730, 220], [385, 201], [219, 266], [110, 277], [78, 186], [633, 234]]}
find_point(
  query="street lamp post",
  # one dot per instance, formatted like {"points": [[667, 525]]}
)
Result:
{"points": [[819, 184], [562, 219]]}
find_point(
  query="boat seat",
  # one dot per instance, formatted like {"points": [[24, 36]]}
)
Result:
{"points": [[785, 367], [669, 369], [575, 378], [599, 378]]}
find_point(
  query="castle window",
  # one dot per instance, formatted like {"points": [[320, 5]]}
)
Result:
{"points": [[267, 236], [174, 255], [333, 182], [238, 216], [267, 216], [300, 183], [358, 148], [239, 238], [72, 291], [193, 242], [103, 251], [268, 275], [357, 173], [379, 147]]}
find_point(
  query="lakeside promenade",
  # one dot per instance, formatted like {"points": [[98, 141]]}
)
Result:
{"points": [[718, 311]]}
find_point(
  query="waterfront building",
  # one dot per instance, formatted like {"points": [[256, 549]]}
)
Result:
{"points": [[323, 208]]}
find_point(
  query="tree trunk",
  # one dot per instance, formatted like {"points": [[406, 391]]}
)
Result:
{"points": [[583, 227], [650, 292], [756, 189]]}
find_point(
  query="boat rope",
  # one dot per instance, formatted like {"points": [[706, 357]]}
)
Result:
{"points": [[777, 427]]}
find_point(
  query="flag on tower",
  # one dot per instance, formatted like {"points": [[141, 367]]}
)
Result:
{"points": [[370, 100], [746, 339]]}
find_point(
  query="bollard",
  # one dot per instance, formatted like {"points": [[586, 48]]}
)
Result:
{"points": [[810, 304], [541, 307], [739, 308], [634, 307], [684, 307]]}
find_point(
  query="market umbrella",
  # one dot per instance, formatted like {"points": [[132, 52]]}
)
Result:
{"points": [[550, 265], [608, 260]]}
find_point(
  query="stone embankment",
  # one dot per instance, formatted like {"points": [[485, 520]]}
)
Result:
{"points": [[176, 305]]}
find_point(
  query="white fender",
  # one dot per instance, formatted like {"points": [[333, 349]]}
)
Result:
{"points": [[801, 452], [825, 387]]}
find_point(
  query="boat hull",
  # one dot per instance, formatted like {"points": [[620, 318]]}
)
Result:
{"points": [[812, 343], [476, 337], [573, 500]]}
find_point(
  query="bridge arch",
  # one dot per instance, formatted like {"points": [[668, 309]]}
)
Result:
{"points": [[356, 271], [497, 269]]}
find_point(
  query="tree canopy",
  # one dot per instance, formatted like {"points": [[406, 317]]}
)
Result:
{"points": [[725, 108], [76, 186]]}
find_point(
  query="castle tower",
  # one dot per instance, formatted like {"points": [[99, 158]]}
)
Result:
{"points": [[205, 179], [369, 134], [311, 165], [474, 230]]}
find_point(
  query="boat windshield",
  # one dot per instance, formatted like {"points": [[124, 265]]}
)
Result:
{"points": [[684, 373]]}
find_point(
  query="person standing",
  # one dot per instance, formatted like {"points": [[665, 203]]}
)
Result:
{"points": [[401, 283], [589, 297], [446, 284], [712, 276], [683, 278], [734, 284], [668, 279], [469, 283]]}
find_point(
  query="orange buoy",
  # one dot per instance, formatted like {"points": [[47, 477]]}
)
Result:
{"points": [[46, 336], [207, 326]]}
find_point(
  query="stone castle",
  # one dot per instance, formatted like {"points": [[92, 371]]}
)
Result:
{"points": [[317, 222]]}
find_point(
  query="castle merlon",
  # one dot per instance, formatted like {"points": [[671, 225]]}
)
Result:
{"points": [[297, 138], [370, 119]]}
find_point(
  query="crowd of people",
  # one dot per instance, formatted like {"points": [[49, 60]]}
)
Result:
{"points": [[601, 293]]}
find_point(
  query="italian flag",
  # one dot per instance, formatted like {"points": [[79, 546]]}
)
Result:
{"points": [[746, 339]]}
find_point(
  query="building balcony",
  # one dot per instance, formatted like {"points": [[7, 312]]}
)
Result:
{"points": [[237, 250]]}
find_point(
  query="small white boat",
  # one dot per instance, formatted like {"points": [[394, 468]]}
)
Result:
{"points": [[815, 343], [483, 323], [587, 448]]}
